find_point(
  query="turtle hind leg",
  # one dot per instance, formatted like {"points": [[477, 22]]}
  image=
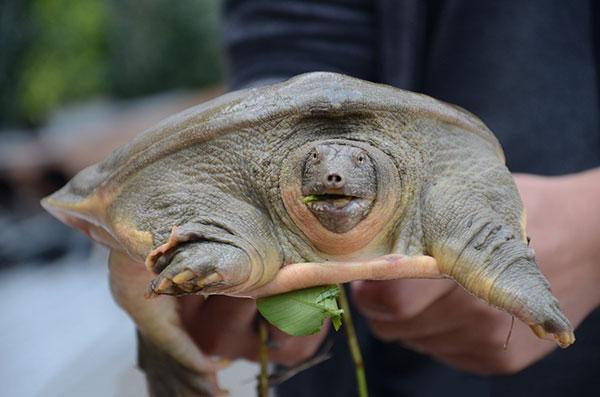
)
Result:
{"points": [[168, 354], [167, 377], [202, 266]]}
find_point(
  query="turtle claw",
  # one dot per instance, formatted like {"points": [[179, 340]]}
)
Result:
{"points": [[188, 278], [563, 338], [165, 284], [200, 266], [184, 276], [160, 286], [185, 282], [209, 280], [538, 330]]}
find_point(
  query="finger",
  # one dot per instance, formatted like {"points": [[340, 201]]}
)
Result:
{"points": [[448, 312], [523, 350], [451, 325], [224, 326], [455, 339], [293, 350], [388, 267], [397, 301]]}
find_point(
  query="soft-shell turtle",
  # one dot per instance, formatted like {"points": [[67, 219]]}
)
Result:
{"points": [[222, 198]]}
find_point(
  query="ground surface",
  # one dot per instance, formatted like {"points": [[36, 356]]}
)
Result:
{"points": [[61, 334]]}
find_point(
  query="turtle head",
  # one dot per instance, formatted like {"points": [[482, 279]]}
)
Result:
{"points": [[339, 185]]}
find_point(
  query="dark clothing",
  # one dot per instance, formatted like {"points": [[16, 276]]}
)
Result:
{"points": [[527, 68]]}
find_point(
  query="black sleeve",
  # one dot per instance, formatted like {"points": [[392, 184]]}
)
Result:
{"points": [[272, 40]]}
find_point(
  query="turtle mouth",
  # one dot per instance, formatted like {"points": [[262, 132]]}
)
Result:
{"points": [[332, 200], [338, 213]]}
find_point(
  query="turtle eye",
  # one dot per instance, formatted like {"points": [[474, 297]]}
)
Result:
{"points": [[360, 159]]}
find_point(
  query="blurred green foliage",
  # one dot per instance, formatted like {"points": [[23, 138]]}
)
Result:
{"points": [[68, 57], [56, 51]]}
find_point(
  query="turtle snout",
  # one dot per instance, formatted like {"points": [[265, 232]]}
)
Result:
{"points": [[334, 180]]}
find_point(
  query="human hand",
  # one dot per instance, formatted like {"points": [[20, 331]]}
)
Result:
{"points": [[438, 318], [226, 326]]}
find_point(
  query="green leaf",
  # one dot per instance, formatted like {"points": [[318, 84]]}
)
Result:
{"points": [[302, 312], [310, 198]]}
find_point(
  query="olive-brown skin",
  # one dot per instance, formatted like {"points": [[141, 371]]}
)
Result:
{"points": [[339, 185], [212, 199]]}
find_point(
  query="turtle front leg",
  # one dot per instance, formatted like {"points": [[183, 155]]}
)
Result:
{"points": [[474, 228], [205, 258], [201, 267]]}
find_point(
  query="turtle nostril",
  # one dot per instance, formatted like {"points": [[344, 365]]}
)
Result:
{"points": [[335, 179]]}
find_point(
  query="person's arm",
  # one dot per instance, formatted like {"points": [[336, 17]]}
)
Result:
{"points": [[272, 40]]}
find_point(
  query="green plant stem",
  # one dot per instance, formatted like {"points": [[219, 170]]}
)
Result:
{"points": [[361, 379], [263, 380]]}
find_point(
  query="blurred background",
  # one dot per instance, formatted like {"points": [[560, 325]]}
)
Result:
{"points": [[79, 78]]}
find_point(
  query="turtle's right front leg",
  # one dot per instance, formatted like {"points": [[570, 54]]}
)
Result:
{"points": [[205, 258], [202, 266], [472, 229]]}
